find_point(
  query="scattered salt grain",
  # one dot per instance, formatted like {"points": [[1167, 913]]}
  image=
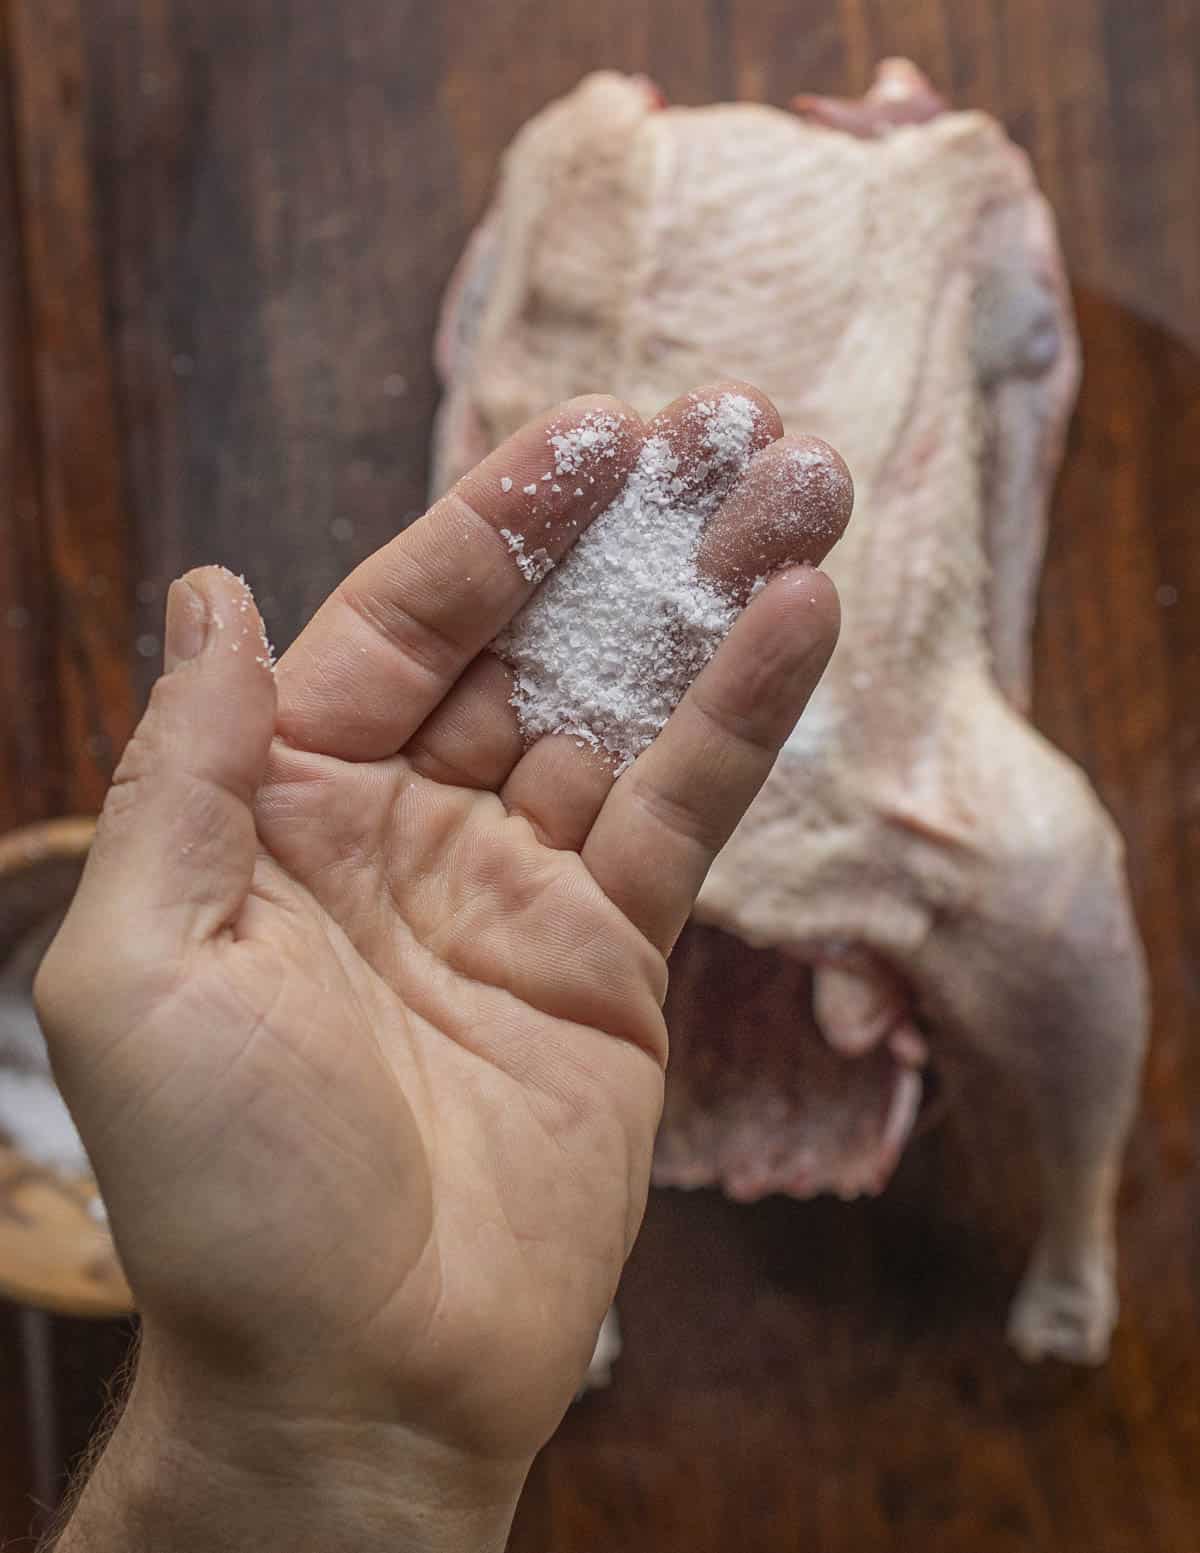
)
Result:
{"points": [[595, 436], [728, 427], [505, 483], [607, 649], [265, 658], [814, 473], [534, 566], [530, 490]]}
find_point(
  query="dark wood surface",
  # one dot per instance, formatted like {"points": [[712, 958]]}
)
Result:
{"points": [[78, 536], [29, 743], [235, 219]]}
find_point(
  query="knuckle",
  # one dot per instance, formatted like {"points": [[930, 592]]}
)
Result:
{"points": [[741, 731], [122, 797], [679, 816], [138, 756]]}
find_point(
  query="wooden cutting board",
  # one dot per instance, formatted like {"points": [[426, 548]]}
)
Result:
{"points": [[55, 1249]]}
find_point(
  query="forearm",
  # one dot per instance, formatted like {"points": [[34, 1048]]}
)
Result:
{"points": [[173, 1478]]}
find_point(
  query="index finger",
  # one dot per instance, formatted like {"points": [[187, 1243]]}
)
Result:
{"points": [[392, 640]]}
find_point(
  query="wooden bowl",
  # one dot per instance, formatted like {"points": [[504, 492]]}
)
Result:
{"points": [[55, 1248]]}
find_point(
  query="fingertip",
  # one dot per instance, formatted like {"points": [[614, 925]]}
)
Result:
{"points": [[556, 474], [767, 422], [220, 588], [714, 433], [186, 626], [213, 622], [808, 592], [576, 411], [804, 604], [790, 507], [595, 435], [833, 476]]}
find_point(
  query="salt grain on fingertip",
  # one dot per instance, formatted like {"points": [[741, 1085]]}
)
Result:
{"points": [[505, 484], [532, 566], [530, 490], [595, 436], [729, 435]]}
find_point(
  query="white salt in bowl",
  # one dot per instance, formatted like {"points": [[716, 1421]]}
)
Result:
{"points": [[55, 1249]]}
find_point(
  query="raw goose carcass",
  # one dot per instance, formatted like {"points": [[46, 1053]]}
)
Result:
{"points": [[922, 868]]}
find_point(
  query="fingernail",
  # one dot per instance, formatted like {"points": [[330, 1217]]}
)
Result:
{"points": [[187, 625]]}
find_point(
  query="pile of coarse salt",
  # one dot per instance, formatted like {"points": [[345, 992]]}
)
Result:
{"points": [[608, 646]]}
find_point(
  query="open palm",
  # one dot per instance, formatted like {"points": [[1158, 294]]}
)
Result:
{"points": [[359, 1005]]}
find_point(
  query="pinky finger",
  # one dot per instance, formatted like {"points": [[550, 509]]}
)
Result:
{"points": [[675, 808]]}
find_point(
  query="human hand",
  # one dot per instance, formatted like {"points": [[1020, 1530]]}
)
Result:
{"points": [[358, 1007]]}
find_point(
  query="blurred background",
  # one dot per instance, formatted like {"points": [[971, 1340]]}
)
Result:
{"points": [[224, 231]]}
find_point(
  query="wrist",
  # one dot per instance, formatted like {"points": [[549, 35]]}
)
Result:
{"points": [[184, 1470]]}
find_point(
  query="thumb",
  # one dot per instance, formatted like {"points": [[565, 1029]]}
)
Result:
{"points": [[175, 846]]}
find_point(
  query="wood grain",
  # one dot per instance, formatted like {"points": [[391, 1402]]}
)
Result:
{"points": [[81, 509], [279, 194], [30, 747], [53, 1253]]}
